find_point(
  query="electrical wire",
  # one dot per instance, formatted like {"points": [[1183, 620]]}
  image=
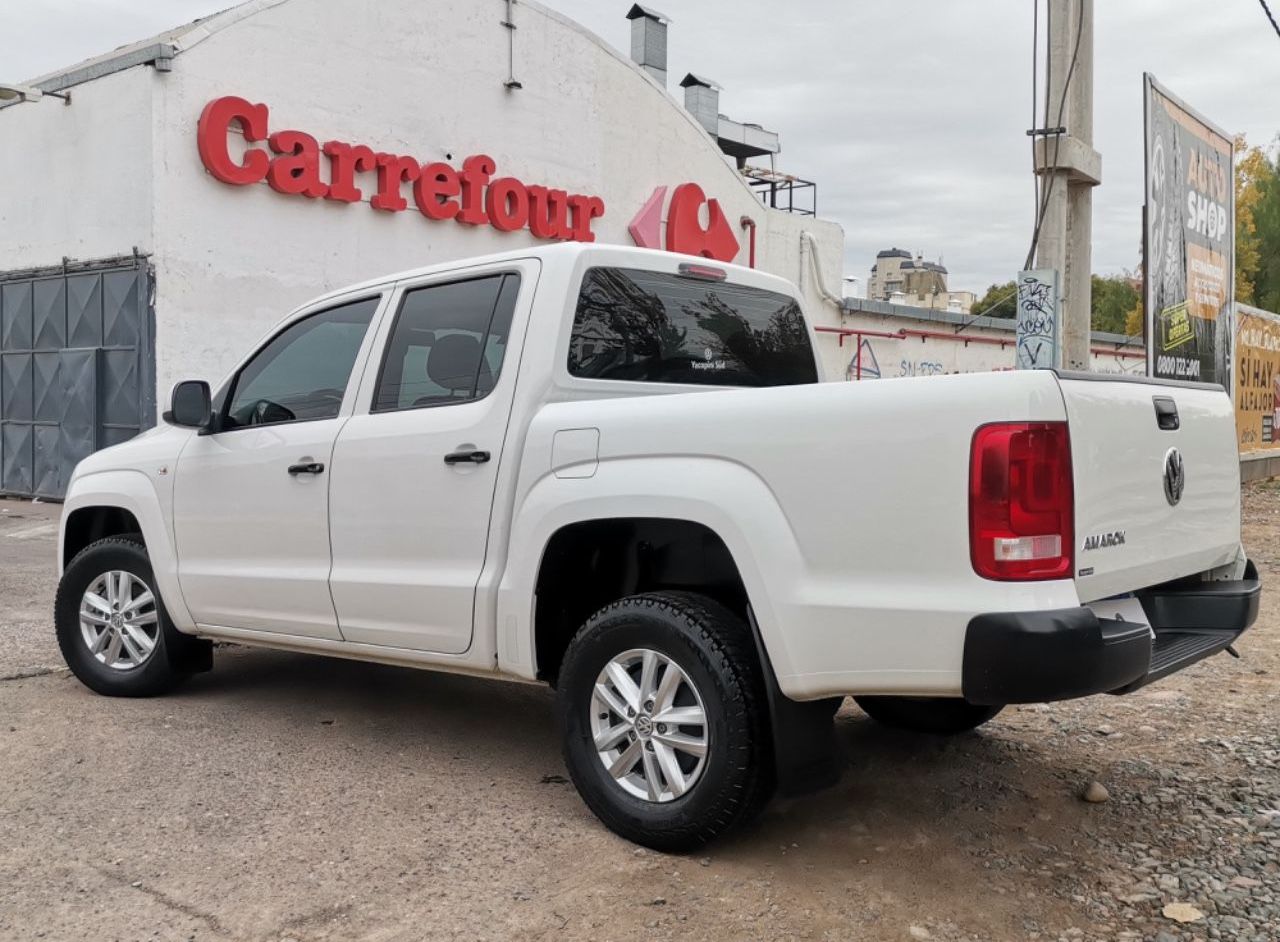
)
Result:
{"points": [[1057, 137], [1035, 177], [1267, 10]]}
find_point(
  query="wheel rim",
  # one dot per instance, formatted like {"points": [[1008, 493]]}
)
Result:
{"points": [[649, 725], [119, 621]]}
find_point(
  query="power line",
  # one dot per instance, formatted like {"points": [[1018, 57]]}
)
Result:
{"points": [[1267, 10], [1057, 136]]}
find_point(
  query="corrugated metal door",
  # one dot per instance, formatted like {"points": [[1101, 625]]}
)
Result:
{"points": [[77, 367]]}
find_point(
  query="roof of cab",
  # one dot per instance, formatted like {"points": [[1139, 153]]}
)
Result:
{"points": [[561, 251]]}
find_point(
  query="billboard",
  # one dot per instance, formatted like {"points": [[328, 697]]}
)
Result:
{"points": [[1188, 247], [1257, 372]]}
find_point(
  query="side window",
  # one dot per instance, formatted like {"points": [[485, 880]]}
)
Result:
{"points": [[655, 327], [447, 344], [302, 372]]}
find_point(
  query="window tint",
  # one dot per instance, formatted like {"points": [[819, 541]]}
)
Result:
{"points": [[663, 328], [302, 372], [447, 344]]}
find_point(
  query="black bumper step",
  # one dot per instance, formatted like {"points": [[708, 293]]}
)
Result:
{"points": [[1174, 650], [1059, 654]]}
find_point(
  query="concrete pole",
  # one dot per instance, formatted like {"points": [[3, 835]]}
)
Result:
{"points": [[1070, 168]]}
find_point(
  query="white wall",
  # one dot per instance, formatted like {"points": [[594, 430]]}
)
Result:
{"points": [[886, 358], [75, 180], [426, 81]]}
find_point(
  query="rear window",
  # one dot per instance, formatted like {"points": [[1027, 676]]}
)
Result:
{"points": [[661, 328]]}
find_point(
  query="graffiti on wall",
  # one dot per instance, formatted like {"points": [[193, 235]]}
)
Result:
{"points": [[912, 358], [920, 367], [863, 364]]}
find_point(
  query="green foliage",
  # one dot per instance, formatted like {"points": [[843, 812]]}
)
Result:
{"points": [[1114, 296], [999, 301], [1266, 220]]}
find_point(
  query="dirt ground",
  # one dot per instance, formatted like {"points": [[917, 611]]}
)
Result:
{"points": [[284, 797]]}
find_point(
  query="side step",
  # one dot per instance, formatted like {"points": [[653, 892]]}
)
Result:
{"points": [[1174, 650]]}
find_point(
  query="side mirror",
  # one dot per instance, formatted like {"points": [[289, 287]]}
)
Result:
{"points": [[191, 405]]}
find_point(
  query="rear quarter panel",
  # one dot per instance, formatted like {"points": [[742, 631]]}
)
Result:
{"points": [[845, 507]]}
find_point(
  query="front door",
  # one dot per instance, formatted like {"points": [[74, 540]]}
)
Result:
{"points": [[251, 500], [414, 477]]}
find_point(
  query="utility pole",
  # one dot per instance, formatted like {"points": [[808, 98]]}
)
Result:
{"points": [[1069, 168]]}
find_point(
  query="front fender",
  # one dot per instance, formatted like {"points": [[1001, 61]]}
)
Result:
{"points": [[724, 496], [133, 491]]}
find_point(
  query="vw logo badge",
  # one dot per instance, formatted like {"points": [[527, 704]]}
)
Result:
{"points": [[1175, 476]]}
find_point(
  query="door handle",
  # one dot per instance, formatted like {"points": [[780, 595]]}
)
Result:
{"points": [[310, 467], [1166, 413], [467, 457]]}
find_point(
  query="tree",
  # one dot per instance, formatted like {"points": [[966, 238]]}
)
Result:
{"points": [[1258, 230], [1114, 296], [1251, 170], [999, 301]]}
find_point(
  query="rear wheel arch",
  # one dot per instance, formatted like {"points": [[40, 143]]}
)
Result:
{"points": [[588, 564]]}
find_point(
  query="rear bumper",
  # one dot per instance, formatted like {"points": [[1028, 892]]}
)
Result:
{"points": [[1035, 657]]}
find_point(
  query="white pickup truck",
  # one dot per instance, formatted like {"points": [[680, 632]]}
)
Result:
{"points": [[616, 471]]}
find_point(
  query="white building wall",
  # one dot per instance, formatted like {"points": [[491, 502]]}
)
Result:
{"points": [[76, 180], [976, 349], [425, 81]]}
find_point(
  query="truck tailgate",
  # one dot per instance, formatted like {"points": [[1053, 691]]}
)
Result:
{"points": [[1133, 528]]}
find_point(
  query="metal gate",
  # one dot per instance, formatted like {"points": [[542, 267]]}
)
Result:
{"points": [[77, 369]]}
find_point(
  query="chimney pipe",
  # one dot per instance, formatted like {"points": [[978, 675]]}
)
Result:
{"points": [[702, 100], [649, 41]]}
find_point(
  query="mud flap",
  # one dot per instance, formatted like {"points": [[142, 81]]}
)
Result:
{"points": [[188, 654], [806, 753]]}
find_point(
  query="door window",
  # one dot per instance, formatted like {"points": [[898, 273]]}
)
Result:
{"points": [[301, 374], [447, 344]]}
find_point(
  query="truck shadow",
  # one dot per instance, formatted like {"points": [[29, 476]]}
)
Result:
{"points": [[895, 790]]}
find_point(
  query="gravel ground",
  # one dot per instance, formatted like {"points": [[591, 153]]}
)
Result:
{"points": [[283, 797]]}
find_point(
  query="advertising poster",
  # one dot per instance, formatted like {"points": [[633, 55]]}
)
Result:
{"points": [[1257, 372], [1189, 245]]}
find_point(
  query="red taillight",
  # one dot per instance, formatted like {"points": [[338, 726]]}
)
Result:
{"points": [[1020, 501]]}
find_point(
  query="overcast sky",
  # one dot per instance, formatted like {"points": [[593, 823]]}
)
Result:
{"points": [[909, 114]]}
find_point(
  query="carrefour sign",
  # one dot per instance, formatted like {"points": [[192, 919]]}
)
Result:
{"points": [[291, 162]]}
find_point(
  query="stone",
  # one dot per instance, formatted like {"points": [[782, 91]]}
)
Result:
{"points": [[1095, 793], [1182, 912], [919, 932]]}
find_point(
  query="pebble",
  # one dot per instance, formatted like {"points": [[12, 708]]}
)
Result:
{"points": [[919, 932], [1182, 912], [1095, 793]]}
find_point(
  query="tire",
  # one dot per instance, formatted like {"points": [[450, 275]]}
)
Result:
{"points": [[724, 787], [123, 667], [944, 716]]}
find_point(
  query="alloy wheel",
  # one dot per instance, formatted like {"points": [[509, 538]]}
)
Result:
{"points": [[649, 725], [119, 620]]}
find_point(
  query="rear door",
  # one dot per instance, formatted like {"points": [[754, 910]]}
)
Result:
{"points": [[1157, 481], [414, 470]]}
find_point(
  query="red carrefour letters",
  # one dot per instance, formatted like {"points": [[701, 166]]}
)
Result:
{"points": [[435, 189], [296, 169], [476, 172], [211, 139], [471, 196], [392, 171], [508, 204], [345, 162]]}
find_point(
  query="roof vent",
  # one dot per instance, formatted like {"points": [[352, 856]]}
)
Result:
{"points": [[649, 41], [702, 100]]}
